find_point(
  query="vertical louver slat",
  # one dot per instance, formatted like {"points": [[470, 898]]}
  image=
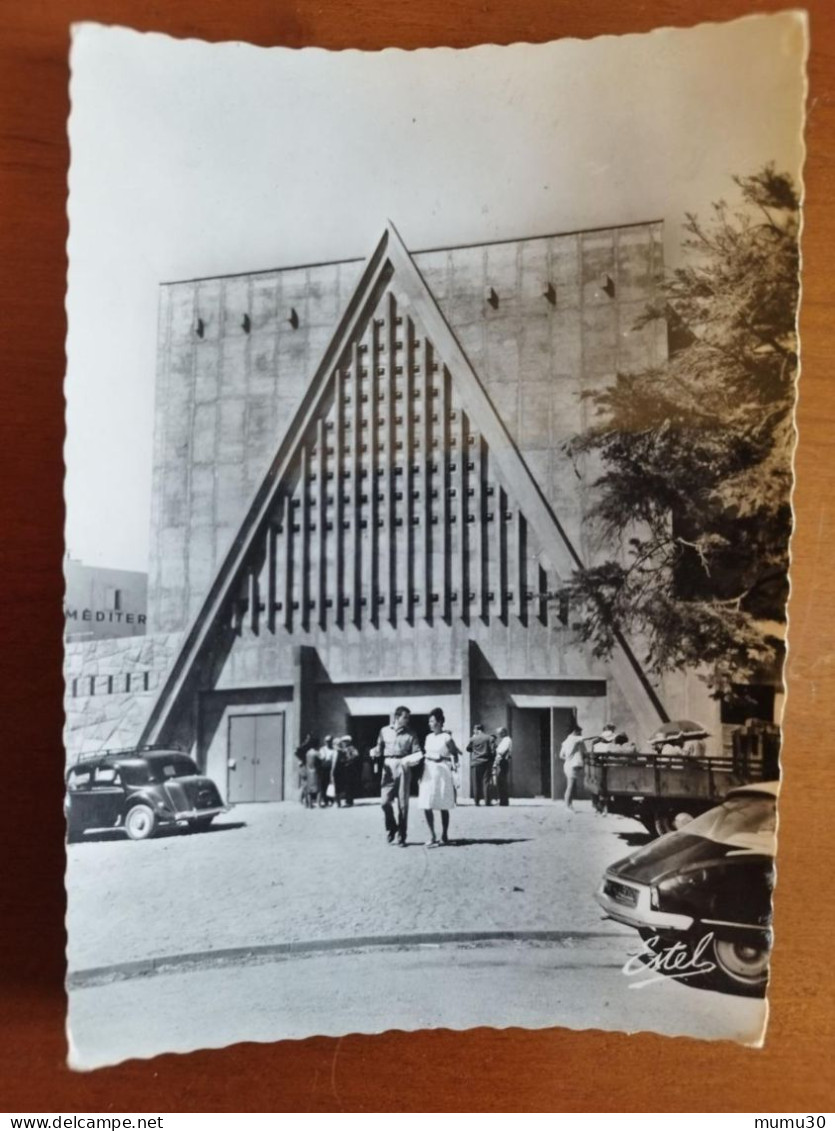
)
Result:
{"points": [[409, 478], [501, 510], [337, 484], [356, 485], [391, 457], [253, 599], [542, 588], [321, 524], [288, 549], [263, 581], [444, 481], [272, 572], [371, 410], [304, 563], [367, 485], [462, 479], [478, 511], [521, 566], [424, 457]]}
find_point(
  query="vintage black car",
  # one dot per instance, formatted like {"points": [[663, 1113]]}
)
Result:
{"points": [[139, 790], [700, 897]]}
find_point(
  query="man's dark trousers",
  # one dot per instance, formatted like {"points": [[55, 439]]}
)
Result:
{"points": [[481, 777], [396, 790]]}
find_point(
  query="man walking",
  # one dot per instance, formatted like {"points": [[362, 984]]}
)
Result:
{"points": [[325, 764], [571, 753], [400, 752], [482, 750], [501, 764]]}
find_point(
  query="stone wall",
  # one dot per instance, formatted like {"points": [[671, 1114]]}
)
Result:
{"points": [[109, 688]]}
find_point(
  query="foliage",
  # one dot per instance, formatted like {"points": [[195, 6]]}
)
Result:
{"points": [[696, 455]]}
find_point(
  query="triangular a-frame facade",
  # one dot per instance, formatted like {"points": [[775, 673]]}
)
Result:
{"points": [[396, 495]]}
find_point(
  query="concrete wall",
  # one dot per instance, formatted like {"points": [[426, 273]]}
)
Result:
{"points": [[542, 320], [225, 393], [109, 687]]}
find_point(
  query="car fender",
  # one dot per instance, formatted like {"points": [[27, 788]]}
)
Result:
{"points": [[150, 796]]}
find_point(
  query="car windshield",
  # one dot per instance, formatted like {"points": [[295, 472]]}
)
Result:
{"points": [[748, 823]]}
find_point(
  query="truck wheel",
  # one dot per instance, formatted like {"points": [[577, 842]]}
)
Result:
{"points": [[671, 820], [140, 822]]}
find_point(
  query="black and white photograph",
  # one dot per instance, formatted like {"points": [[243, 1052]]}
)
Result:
{"points": [[430, 424]]}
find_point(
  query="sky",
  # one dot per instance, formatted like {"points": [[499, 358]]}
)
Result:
{"points": [[191, 159]]}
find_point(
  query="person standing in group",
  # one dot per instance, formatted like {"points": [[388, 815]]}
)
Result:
{"points": [[311, 775], [603, 744], [345, 758], [300, 753], [400, 753], [326, 757], [482, 751], [437, 789], [501, 764], [571, 753]]}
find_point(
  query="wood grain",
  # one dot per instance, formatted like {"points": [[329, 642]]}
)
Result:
{"points": [[510, 1070]]}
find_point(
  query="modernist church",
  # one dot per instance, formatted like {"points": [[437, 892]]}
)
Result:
{"points": [[361, 499]]}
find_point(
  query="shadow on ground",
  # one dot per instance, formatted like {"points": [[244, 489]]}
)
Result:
{"points": [[464, 842]]}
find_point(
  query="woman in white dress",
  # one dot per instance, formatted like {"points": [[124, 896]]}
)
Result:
{"points": [[437, 788]]}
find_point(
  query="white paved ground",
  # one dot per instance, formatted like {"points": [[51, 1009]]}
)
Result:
{"points": [[276, 874], [279, 873]]}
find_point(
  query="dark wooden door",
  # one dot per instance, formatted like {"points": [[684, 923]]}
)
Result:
{"points": [[530, 729]]}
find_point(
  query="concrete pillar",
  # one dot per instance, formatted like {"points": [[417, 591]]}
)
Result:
{"points": [[467, 689], [304, 694]]}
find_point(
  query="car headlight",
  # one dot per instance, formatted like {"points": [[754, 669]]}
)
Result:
{"points": [[678, 886]]}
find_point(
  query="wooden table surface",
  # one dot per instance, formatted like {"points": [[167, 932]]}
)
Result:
{"points": [[509, 1070]]}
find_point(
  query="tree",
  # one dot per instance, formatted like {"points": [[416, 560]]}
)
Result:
{"points": [[693, 500]]}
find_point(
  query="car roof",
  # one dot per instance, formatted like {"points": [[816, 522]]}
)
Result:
{"points": [[761, 788], [134, 756]]}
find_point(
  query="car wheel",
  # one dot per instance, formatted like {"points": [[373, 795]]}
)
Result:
{"points": [[140, 822], [741, 967], [200, 824]]}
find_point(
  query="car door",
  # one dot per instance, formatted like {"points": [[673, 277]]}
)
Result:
{"points": [[81, 802], [107, 796]]}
